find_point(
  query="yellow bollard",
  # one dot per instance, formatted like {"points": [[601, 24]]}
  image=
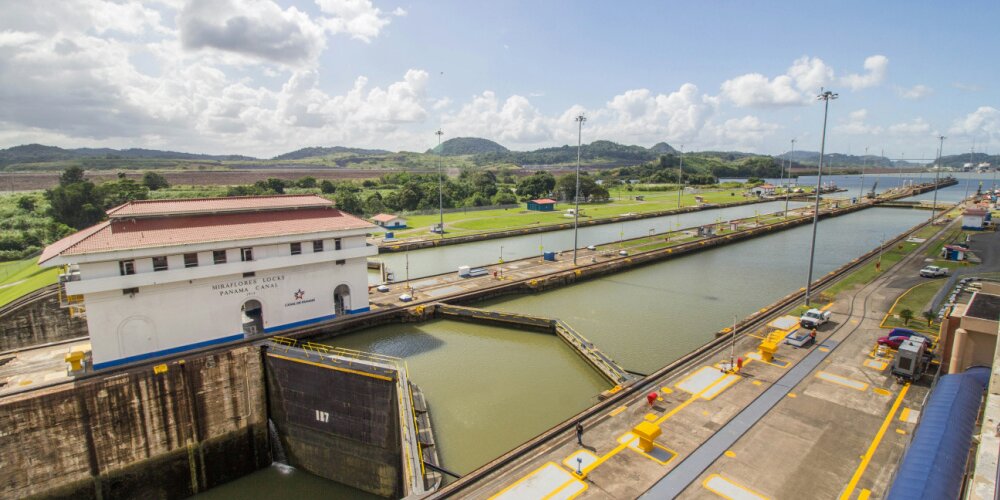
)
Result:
{"points": [[75, 360], [647, 432]]}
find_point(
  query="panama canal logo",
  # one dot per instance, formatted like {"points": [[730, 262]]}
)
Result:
{"points": [[299, 298]]}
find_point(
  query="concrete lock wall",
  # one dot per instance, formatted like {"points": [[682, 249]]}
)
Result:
{"points": [[336, 424], [138, 434], [36, 320]]}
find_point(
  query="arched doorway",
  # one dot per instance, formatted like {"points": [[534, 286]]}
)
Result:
{"points": [[341, 300], [253, 317]]}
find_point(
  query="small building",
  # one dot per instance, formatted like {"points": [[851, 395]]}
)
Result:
{"points": [[763, 190], [542, 205], [969, 333], [389, 221], [165, 276], [974, 219], [954, 252]]}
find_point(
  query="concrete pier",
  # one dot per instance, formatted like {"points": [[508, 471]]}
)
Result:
{"points": [[583, 347]]}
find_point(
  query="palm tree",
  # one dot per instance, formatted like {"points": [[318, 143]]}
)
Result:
{"points": [[929, 316], [906, 315]]}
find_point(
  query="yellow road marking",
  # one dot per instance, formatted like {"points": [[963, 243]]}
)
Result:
{"points": [[867, 457], [726, 488], [865, 493], [900, 431], [650, 416], [618, 410], [903, 415], [876, 364], [730, 453], [844, 381], [881, 391], [792, 395]]}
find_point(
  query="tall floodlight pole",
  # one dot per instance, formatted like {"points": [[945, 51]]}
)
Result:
{"points": [[680, 178], [440, 186], [864, 163], [937, 176], [826, 96], [576, 212], [788, 185], [968, 180]]}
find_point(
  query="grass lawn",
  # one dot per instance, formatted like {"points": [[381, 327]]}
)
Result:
{"points": [[462, 223], [23, 276], [916, 299]]}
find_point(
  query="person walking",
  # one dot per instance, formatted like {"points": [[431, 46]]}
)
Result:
{"points": [[579, 433]]}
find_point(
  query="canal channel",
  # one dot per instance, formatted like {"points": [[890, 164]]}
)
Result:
{"points": [[491, 389]]}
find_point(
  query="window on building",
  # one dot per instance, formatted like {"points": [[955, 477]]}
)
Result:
{"points": [[126, 267], [159, 263], [336, 244], [318, 246], [296, 248], [341, 262], [219, 256], [246, 254], [251, 274], [190, 260], [130, 291]]}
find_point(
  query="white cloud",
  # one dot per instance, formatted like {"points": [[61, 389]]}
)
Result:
{"points": [[795, 88], [513, 121], [358, 18], [399, 12], [255, 28], [984, 121], [918, 91], [876, 66], [915, 127], [857, 124]]}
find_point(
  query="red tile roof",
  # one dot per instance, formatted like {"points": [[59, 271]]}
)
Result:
{"points": [[127, 234], [155, 208], [385, 217], [543, 201]]}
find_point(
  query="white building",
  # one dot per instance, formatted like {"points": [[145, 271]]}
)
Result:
{"points": [[763, 190], [389, 221], [164, 276]]}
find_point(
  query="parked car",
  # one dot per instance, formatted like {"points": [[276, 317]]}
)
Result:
{"points": [[813, 318], [934, 272], [898, 335]]}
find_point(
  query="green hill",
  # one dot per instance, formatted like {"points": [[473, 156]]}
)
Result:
{"points": [[467, 146], [314, 152]]}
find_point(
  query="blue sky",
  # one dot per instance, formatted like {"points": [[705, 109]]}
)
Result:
{"points": [[262, 77]]}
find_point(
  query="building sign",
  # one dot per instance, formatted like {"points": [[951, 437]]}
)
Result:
{"points": [[299, 298], [247, 285]]}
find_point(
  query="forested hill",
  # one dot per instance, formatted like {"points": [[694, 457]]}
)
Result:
{"points": [[467, 146], [312, 152], [811, 158], [37, 153], [595, 152]]}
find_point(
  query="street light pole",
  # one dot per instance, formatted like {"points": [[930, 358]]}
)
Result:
{"points": [[576, 211], [680, 178], [937, 176], [826, 96], [789, 183], [440, 187], [864, 163]]}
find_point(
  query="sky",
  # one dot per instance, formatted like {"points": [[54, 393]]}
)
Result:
{"points": [[264, 77]]}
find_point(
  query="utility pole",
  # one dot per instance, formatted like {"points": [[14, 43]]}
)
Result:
{"points": [[937, 176], [576, 211], [826, 96], [680, 178], [440, 186]]}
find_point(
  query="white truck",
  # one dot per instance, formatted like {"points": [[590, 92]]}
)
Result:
{"points": [[934, 272], [813, 318]]}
